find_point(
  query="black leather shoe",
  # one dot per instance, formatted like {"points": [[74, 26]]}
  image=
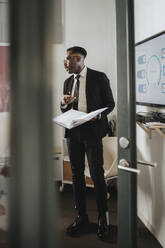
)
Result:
{"points": [[103, 229], [78, 225]]}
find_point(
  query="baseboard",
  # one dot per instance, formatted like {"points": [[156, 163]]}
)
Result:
{"points": [[150, 228]]}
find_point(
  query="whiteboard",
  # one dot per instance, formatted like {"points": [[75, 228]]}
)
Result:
{"points": [[150, 71]]}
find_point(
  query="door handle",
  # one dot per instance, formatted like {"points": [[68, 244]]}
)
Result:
{"points": [[152, 164], [124, 165]]}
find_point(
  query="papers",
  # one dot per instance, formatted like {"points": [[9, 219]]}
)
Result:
{"points": [[73, 118]]}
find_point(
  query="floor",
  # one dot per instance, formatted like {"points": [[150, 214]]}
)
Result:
{"points": [[89, 238]]}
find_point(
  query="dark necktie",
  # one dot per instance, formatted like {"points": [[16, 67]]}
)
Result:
{"points": [[76, 92]]}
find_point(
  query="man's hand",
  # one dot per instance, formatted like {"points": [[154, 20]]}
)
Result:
{"points": [[98, 117], [94, 118], [67, 99]]}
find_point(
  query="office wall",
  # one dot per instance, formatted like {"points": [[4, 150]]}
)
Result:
{"points": [[4, 84], [90, 24], [4, 117], [149, 20]]}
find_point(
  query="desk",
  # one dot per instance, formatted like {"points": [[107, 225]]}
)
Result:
{"points": [[149, 128]]}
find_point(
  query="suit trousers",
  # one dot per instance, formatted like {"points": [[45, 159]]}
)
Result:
{"points": [[78, 146]]}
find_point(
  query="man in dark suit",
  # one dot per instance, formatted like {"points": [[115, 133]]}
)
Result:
{"points": [[87, 90]]}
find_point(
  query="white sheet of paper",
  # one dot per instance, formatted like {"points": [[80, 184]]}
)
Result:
{"points": [[73, 118]]}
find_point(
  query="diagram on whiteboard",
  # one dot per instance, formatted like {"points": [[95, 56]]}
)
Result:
{"points": [[150, 71]]}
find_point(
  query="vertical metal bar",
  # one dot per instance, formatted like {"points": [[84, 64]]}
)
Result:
{"points": [[32, 195], [127, 182]]}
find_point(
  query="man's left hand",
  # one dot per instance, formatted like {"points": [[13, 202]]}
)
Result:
{"points": [[98, 117], [94, 119]]}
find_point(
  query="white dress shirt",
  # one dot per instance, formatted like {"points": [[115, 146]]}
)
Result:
{"points": [[82, 103]]}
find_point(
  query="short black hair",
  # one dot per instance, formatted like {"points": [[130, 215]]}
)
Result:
{"points": [[77, 49]]}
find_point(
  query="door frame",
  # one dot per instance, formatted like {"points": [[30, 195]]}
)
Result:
{"points": [[126, 109]]}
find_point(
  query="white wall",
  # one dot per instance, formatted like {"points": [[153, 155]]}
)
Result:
{"points": [[149, 20], [90, 24]]}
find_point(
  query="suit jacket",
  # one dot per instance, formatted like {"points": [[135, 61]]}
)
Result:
{"points": [[98, 95]]}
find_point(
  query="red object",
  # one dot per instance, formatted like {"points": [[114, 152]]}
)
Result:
{"points": [[2, 210], [4, 78], [5, 171]]}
